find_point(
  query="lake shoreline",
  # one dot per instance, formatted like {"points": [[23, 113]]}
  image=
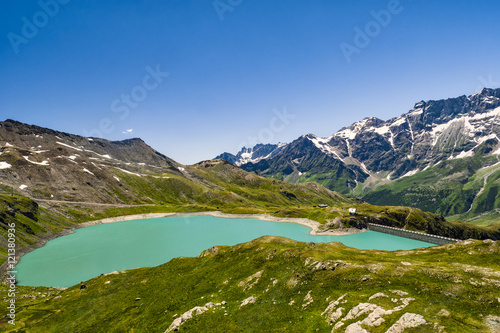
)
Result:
{"points": [[314, 225], [43, 239]]}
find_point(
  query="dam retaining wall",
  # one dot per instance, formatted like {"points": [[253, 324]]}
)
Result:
{"points": [[438, 240]]}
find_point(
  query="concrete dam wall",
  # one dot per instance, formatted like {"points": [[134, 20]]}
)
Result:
{"points": [[438, 240]]}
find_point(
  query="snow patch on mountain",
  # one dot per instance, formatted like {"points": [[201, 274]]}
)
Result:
{"points": [[491, 99], [382, 130], [347, 134], [129, 172], [472, 125], [486, 138], [38, 163], [88, 171], [462, 154], [68, 146], [399, 121], [105, 155], [322, 144], [5, 165]]}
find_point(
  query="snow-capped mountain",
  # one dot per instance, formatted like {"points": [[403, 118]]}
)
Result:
{"points": [[430, 132], [371, 153], [254, 154]]}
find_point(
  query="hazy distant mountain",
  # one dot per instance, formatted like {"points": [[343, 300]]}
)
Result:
{"points": [[438, 145], [254, 154]]}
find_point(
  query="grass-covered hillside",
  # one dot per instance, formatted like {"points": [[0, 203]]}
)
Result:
{"points": [[217, 185], [278, 285], [32, 223]]}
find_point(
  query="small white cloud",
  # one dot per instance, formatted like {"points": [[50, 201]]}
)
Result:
{"points": [[128, 131]]}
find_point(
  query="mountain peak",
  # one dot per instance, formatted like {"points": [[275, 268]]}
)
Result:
{"points": [[253, 155]]}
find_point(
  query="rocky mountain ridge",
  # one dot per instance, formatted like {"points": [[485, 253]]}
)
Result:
{"points": [[49, 164], [372, 153], [253, 154]]}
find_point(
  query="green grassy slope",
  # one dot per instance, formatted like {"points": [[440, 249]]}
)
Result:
{"points": [[213, 185], [218, 185], [31, 222], [454, 288], [418, 220]]}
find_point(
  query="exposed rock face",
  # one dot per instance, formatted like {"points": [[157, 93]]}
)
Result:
{"points": [[407, 320], [197, 310], [493, 323], [373, 314], [209, 252], [444, 313], [249, 300], [399, 292], [377, 295], [308, 299], [332, 313], [250, 281], [324, 265]]}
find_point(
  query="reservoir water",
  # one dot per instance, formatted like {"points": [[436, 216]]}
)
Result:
{"points": [[104, 248]]}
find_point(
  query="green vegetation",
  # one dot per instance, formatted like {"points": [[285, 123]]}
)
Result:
{"points": [[491, 218], [32, 222], [219, 186], [208, 186], [455, 288], [464, 188]]}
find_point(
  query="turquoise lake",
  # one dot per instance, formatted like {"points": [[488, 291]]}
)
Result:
{"points": [[104, 248]]}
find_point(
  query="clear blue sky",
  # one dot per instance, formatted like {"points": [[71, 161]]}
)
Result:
{"points": [[232, 65]]}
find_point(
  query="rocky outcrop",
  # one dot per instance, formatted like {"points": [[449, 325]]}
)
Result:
{"points": [[332, 313], [249, 300], [308, 299], [373, 314], [493, 323], [197, 310], [250, 281], [331, 265], [408, 320]]}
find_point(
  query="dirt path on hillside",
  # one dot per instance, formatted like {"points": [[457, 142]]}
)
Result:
{"points": [[89, 203]]}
